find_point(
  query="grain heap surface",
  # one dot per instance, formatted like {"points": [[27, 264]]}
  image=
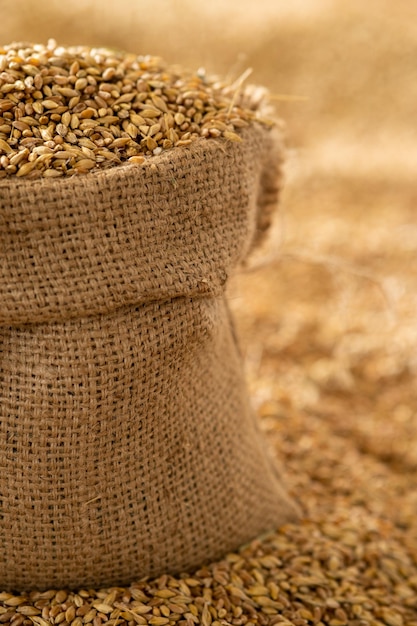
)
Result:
{"points": [[66, 111], [349, 563]]}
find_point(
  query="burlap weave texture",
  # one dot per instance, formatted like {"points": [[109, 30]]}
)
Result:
{"points": [[127, 443]]}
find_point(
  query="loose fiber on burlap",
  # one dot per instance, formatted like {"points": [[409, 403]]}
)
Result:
{"points": [[127, 443]]}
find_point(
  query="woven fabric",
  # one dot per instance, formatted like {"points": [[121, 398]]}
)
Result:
{"points": [[127, 443]]}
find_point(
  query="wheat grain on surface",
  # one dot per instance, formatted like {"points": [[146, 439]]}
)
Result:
{"points": [[66, 111]]}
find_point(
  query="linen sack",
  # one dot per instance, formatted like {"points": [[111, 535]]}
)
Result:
{"points": [[127, 444]]}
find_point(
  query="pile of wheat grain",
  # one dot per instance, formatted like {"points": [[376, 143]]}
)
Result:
{"points": [[66, 111], [347, 564]]}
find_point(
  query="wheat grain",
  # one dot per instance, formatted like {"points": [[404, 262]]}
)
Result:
{"points": [[135, 106]]}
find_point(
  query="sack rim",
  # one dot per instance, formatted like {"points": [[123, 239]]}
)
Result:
{"points": [[86, 245]]}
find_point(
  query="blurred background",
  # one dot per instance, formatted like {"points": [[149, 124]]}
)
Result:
{"points": [[328, 316]]}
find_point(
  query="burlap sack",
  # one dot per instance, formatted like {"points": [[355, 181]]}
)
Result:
{"points": [[127, 445]]}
